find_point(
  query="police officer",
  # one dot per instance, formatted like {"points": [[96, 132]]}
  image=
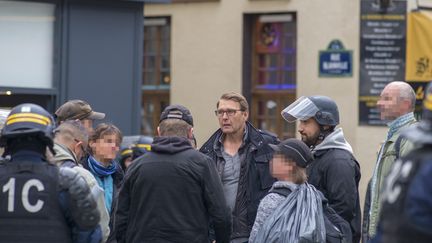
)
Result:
{"points": [[406, 214], [142, 146], [38, 201], [129, 153], [335, 171]]}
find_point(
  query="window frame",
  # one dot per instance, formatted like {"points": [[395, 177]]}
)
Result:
{"points": [[157, 94], [280, 93]]}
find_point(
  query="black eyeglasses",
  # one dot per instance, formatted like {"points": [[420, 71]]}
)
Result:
{"points": [[229, 112]]}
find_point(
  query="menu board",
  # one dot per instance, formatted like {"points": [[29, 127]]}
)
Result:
{"points": [[382, 54]]}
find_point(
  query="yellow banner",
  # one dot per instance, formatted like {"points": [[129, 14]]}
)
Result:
{"points": [[419, 47]]}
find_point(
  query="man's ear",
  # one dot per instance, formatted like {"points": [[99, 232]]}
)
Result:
{"points": [[158, 131], [76, 146], [91, 144], [407, 105], [190, 133], [246, 114]]}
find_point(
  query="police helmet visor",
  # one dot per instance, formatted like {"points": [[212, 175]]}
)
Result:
{"points": [[301, 109]]}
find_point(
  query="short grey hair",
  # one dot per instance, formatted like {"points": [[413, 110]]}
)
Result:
{"points": [[406, 92], [71, 130]]}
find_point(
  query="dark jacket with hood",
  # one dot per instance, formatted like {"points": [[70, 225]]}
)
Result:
{"points": [[255, 178], [169, 195], [336, 173]]}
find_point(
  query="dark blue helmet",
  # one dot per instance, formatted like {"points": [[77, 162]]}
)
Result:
{"points": [[142, 146], [134, 149], [28, 120], [125, 152], [328, 112], [322, 108]]}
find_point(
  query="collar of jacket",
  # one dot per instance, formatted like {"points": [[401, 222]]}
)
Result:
{"points": [[28, 155], [398, 123], [254, 137], [63, 153], [170, 144]]}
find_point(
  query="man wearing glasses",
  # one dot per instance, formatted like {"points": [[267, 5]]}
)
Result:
{"points": [[241, 154]]}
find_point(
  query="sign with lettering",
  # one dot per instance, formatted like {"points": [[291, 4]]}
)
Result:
{"points": [[335, 61], [419, 54], [382, 54]]}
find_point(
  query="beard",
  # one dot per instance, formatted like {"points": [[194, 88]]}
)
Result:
{"points": [[311, 140]]}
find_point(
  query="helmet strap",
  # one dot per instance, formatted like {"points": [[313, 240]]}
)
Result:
{"points": [[324, 132]]}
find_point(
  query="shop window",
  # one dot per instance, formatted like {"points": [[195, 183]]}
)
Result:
{"points": [[156, 72], [272, 77], [27, 68]]}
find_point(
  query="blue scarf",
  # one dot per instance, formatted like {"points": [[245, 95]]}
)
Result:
{"points": [[104, 178], [401, 121]]}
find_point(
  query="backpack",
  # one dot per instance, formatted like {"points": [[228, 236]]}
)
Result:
{"points": [[338, 229]]}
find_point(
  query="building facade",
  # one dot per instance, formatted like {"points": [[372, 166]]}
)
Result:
{"points": [[131, 61], [268, 50]]}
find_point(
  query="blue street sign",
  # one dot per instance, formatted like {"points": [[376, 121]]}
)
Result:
{"points": [[335, 61]]}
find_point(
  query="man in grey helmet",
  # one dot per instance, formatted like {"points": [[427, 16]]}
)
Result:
{"points": [[335, 171]]}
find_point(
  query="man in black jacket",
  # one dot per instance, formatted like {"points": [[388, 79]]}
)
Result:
{"points": [[241, 154], [170, 193], [335, 171]]}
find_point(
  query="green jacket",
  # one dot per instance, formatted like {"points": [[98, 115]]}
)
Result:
{"points": [[65, 154], [387, 159]]}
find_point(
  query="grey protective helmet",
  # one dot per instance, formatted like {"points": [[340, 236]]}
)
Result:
{"points": [[322, 108]]}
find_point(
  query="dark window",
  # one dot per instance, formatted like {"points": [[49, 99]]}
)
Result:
{"points": [[273, 71], [156, 72]]}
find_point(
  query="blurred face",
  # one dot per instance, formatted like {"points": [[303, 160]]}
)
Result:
{"points": [[309, 130], [88, 125], [105, 149], [231, 119], [281, 167], [388, 104]]}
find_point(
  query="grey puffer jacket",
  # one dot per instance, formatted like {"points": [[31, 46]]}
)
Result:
{"points": [[268, 204]]}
